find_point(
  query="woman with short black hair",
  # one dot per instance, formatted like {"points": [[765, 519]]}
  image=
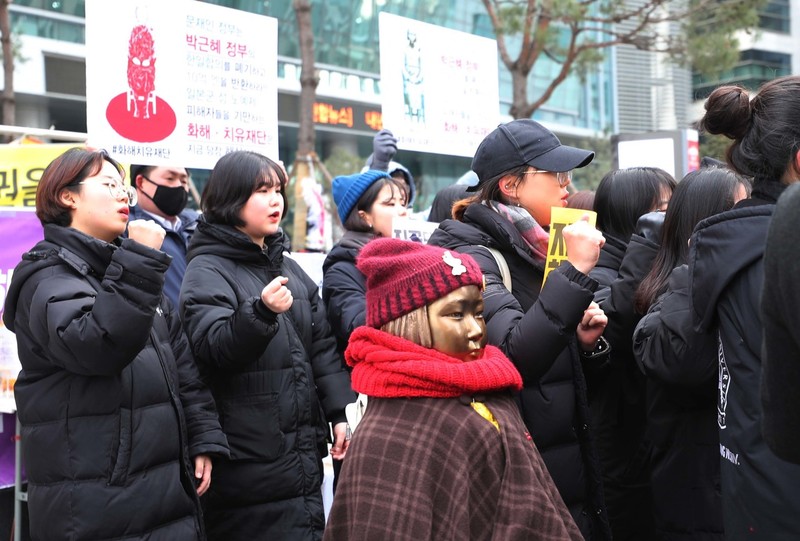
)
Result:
{"points": [[118, 432], [258, 330]]}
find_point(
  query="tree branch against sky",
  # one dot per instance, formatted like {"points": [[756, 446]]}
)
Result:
{"points": [[573, 34]]}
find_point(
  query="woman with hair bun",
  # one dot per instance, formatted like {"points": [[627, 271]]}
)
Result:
{"points": [[726, 272]]}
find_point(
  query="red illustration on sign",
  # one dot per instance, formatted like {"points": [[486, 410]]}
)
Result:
{"points": [[139, 114]]}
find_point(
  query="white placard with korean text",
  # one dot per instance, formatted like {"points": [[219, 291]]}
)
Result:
{"points": [[413, 230], [180, 82], [439, 87]]}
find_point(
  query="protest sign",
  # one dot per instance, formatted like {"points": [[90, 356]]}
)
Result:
{"points": [[556, 247], [180, 82], [439, 87]]}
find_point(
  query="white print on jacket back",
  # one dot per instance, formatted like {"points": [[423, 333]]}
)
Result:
{"points": [[724, 386]]}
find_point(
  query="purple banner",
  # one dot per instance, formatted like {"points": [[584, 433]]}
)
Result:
{"points": [[20, 230]]}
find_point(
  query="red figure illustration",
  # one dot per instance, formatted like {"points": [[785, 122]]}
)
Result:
{"points": [[141, 71], [138, 113]]}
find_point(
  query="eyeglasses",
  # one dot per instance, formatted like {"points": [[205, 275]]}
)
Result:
{"points": [[118, 191], [562, 177]]}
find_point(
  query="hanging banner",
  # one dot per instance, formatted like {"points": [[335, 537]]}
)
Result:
{"points": [[439, 87], [20, 230], [180, 82], [557, 247], [22, 167]]}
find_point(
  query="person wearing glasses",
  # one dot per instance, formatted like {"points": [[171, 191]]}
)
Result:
{"points": [[523, 171], [163, 192], [117, 429]]}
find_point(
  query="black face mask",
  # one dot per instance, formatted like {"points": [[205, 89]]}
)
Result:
{"points": [[170, 201]]}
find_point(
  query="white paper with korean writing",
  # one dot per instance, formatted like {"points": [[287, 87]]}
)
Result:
{"points": [[556, 247], [180, 82], [439, 87], [413, 230]]}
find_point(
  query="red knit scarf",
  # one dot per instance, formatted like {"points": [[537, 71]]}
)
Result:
{"points": [[388, 366]]}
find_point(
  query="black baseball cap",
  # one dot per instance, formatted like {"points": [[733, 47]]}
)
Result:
{"points": [[524, 142]]}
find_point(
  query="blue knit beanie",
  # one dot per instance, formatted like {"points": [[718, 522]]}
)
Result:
{"points": [[347, 190]]}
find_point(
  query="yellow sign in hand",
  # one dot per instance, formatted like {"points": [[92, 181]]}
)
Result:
{"points": [[556, 247]]}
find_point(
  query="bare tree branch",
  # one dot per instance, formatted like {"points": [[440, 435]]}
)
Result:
{"points": [[594, 25]]}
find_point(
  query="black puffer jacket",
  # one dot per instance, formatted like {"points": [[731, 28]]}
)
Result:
{"points": [[781, 369], [611, 255], [616, 391], [272, 375], [175, 244], [109, 398], [681, 369], [344, 288], [535, 327], [726, 268]]}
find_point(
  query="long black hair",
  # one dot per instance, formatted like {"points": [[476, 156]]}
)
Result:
{"points": [[625, 194], [700, 194]]}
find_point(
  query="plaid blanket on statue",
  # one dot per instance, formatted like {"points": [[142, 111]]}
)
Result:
{"points": [[436, 469]]}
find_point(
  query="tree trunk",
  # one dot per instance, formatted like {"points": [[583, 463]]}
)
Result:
{"points": [[9, 104], [306, 135]]}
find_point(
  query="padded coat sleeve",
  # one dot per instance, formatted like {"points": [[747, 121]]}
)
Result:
{"points": [[222, 331], [344, 291], [202, 423], [330, 377], [664, 343], [99, 332], [533, 339], [617, 299]]}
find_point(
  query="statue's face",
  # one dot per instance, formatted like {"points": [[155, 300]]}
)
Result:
{"points": [[457, 325]]}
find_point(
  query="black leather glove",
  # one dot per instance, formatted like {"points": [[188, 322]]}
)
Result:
{"points": [[384, 147], [650, 225]]}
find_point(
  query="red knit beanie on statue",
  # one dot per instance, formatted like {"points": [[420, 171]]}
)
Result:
{"points": [[403, 276]]}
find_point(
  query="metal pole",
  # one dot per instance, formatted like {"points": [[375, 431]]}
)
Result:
{"points": [[19, 495]]}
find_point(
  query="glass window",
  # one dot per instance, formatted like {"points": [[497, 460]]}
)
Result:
{"points": [[754, 68], [775, 16]]}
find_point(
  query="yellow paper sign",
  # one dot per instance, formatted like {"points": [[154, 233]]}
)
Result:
{"points": [[21, 168], [556, 247]]}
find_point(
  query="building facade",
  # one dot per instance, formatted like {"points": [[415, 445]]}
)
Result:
{"points": [[769, 52]]}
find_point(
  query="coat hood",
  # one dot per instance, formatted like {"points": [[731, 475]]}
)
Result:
{"points": [[339, 254], [721, 247], [62, 246]]}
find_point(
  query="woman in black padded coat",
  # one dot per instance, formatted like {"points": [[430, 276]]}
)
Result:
{"points": [[258, 329], [118, 431], [547, 332]]}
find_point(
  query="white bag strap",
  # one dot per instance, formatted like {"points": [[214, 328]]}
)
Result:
{"points": [[505, 272]]}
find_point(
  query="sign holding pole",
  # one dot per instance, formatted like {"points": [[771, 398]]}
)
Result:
{"points": [[180, 82]]}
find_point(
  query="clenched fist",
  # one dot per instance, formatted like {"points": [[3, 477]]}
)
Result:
{"points": [[583, 244], [276, 296], [146, 232]]}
